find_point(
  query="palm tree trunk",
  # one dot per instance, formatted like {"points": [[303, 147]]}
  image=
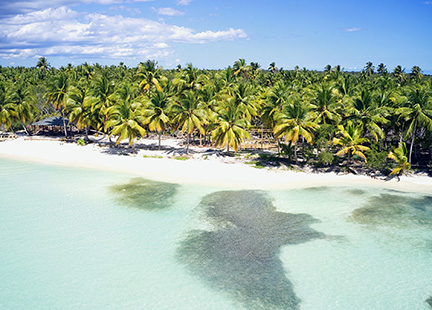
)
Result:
{"points": [[227, 147], [87, 133], [25, 129], [64, 123], [412, 141], [160, 134], [295, 153], [187, 147]]}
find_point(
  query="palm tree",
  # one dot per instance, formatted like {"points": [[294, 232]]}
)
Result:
{"points": [[272, 67], [365, 110], [230, 127], [240, 68], [416, 73], [103, 92], [325, 105], [276, 99], [243, 96], [156, 113], [6, 108], [399, 155], [400, 75], [125, 116], [23, 102], [381, 69], [189, 115], [149, 73], [369, 69], [296, 120], [43, 65], [351, 140], [416, 113], [58, 95], [80, 106]]}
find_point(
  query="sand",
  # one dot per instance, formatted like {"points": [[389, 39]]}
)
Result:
{"points": [[205, 166]]}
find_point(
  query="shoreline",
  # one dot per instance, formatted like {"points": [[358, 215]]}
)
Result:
{"points": [[204, 167]]}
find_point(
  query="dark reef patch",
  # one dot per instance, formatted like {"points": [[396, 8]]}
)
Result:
{"points": [[429, 301], [400, 210], [356, 192], [145, 194], [316, 189], [240, 256]]}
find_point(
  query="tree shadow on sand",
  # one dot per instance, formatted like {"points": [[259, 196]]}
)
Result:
{"points": [[240, 256]]}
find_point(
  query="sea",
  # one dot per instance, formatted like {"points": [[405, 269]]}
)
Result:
{"points": [[77, 238]]}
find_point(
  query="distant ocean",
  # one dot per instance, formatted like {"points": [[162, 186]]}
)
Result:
{"points": [[89, 239]]}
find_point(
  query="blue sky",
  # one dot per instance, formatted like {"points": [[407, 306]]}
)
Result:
{"points": [[215, 33]]}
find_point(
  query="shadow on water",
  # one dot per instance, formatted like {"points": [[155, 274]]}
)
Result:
{"points": [[395, 210], [145, 194], [240, 256]]}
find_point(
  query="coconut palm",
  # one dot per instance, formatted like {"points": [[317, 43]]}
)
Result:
{"points": [[156, 113], [276, 99], [365, 110], [417, 112], [58, 94], [23, 101], [149, 73], [325, 104], [243, 95], [296, 120], [80, 106], [272, 67], [416, 73], [399, 155], [230, 127], [241, 69], [125, 116], [189, 114], [382, 69], [43, 65], [400, 75], [6, 108], [351, 140], [369, 69], [103, 92]]}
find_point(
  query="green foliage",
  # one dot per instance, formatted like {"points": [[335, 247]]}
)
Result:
{"points": [[309, 113], [181, 158], [325, 158], [377, 158], [81, 142]]}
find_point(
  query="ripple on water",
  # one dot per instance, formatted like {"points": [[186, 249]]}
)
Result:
{"points": [[240, 256]]}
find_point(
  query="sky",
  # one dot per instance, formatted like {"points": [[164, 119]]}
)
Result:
{"points": [[213, 34]]}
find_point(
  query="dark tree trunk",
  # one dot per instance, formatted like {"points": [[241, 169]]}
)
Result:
{"points": [[64, 123]]}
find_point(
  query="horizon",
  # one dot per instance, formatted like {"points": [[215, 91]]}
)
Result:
{"points": [[214, 35]]}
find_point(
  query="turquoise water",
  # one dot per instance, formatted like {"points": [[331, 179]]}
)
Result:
{"points": [[86, 239]]}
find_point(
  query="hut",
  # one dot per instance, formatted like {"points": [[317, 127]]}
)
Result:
{"points": [[53, 124]]}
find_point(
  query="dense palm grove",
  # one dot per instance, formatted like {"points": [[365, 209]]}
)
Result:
{"points": [[375, 119]]}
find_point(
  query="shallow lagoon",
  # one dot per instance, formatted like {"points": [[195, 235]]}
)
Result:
{"points": [[87, 239]]}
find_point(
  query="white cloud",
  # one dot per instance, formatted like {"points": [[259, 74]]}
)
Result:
{"points": [[169, 12], [67, 33], [183, 2], [354, 29]]}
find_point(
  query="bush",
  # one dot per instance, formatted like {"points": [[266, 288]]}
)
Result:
{"points": [[377, 159], [81, 142], [325, 158]]}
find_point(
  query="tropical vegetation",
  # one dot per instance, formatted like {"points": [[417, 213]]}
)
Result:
{"points": [[376, 119]]}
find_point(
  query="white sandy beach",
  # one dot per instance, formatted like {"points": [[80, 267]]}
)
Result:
{"points": [[204, 168]]}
